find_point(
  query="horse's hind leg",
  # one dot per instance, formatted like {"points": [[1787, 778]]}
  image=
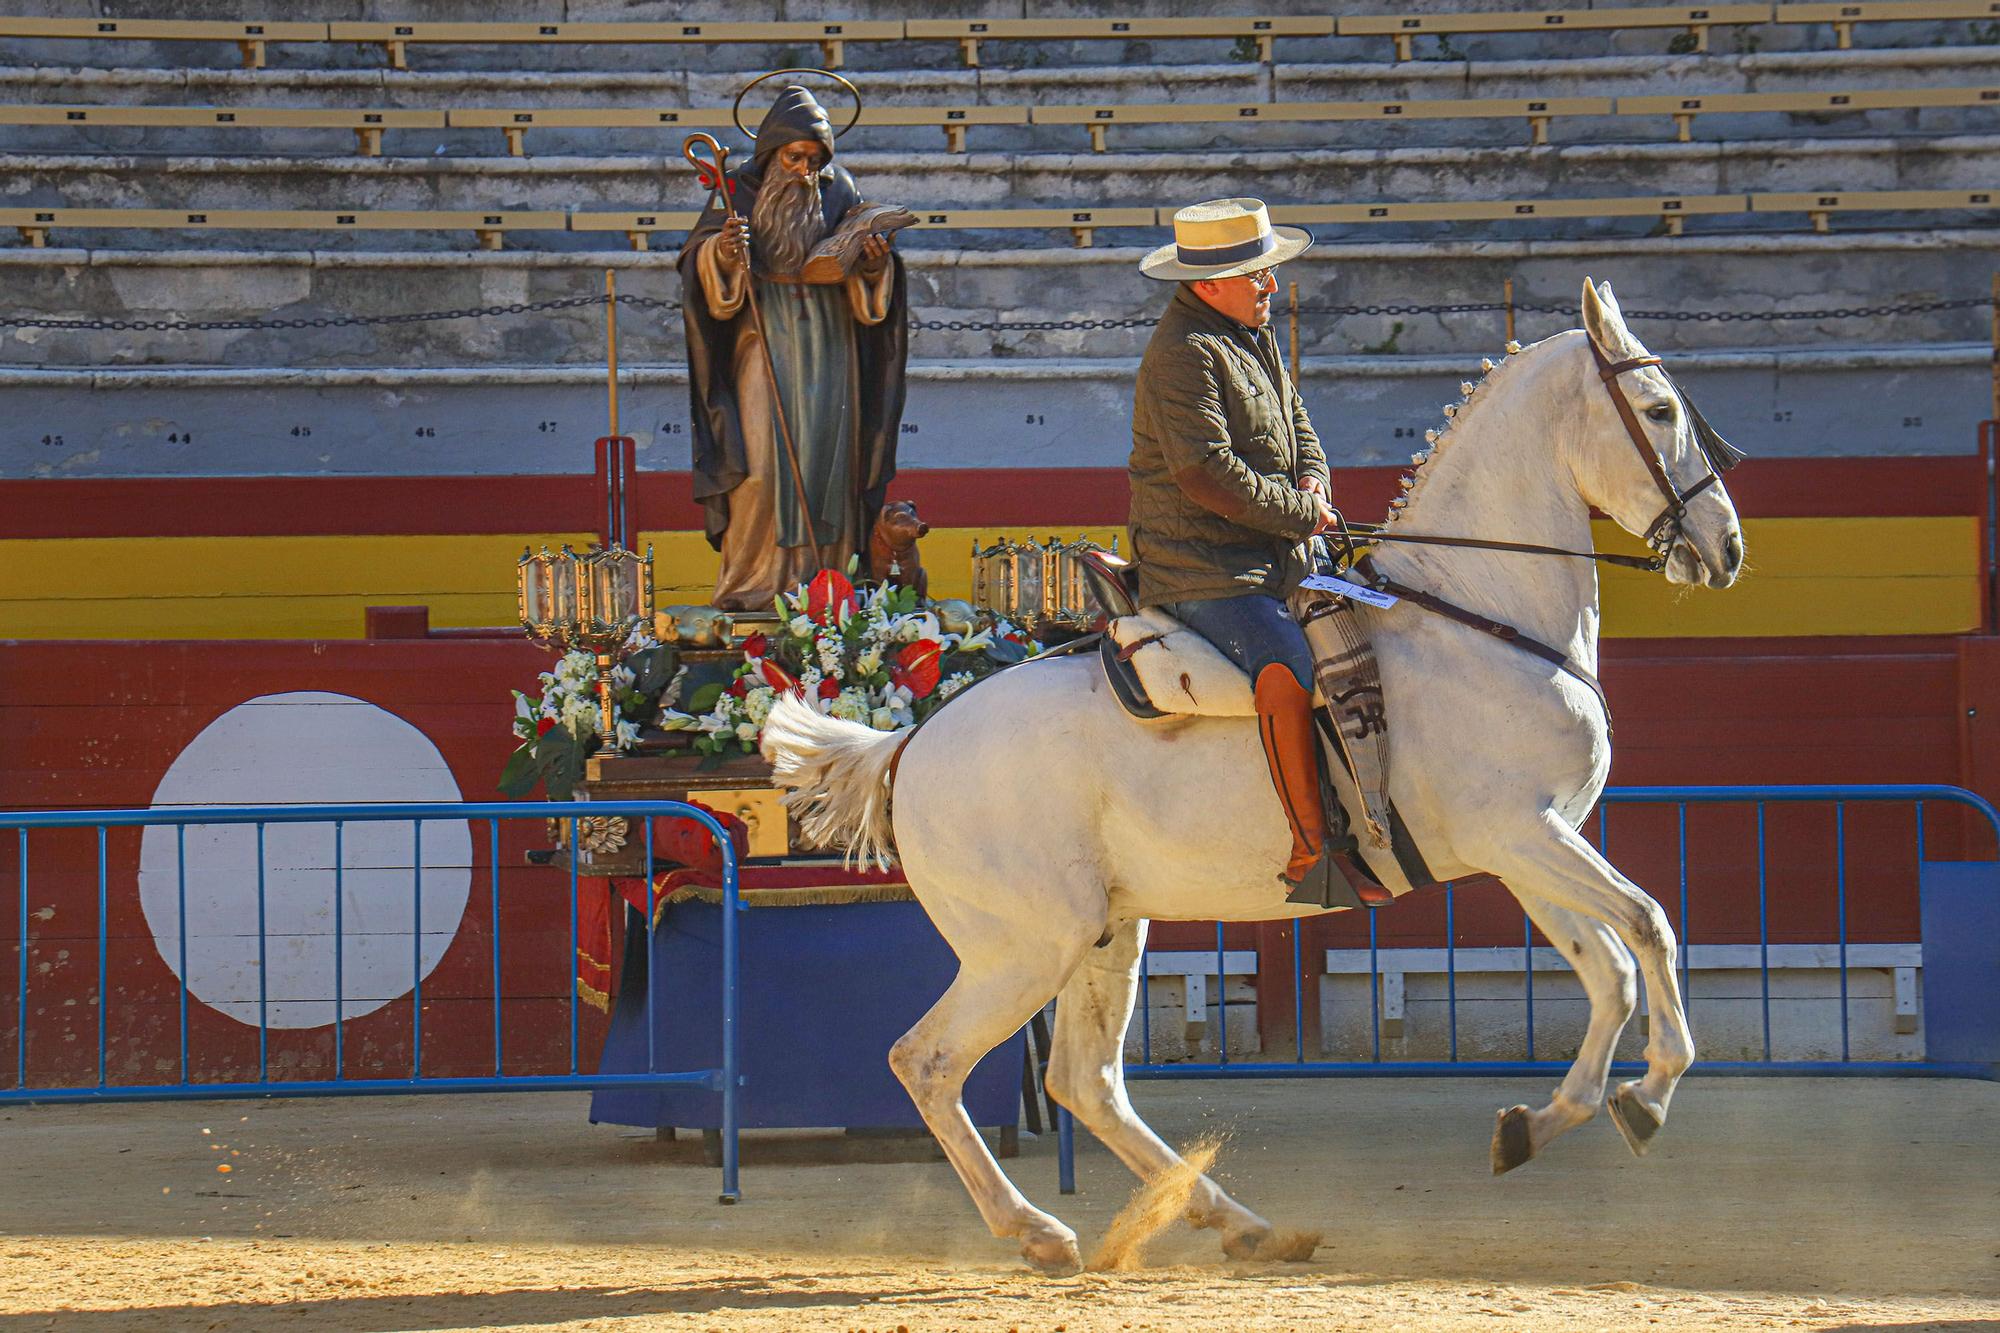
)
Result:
{"points": [[1608, 980], [998, 988], [1087, 1074], [1556, 864]]}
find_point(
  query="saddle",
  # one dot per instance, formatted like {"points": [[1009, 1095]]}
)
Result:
{"points": [[1158, 668]]}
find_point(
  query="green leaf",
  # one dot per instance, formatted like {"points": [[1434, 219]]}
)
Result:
{"points": [[704, 699], [559, 758], [712, 760], [1006, 652], [521, 774], [653, 670]]}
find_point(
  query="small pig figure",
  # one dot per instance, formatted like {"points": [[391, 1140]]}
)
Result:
{"points": [[894, 546]]}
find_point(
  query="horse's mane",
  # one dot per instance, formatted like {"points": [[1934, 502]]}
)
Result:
{"points": [[1435, 441]]}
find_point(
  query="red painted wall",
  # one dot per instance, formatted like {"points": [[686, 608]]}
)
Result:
{"points": [[96, 725]]}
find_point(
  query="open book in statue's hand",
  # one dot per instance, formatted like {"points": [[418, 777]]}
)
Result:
{"points": [[835, 258]]}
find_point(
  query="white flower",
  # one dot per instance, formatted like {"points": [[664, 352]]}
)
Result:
{"points": [[622, 678], [898, 696], [628, 735], [746, 731], [951, 685], [757, 704], [882, 720], [851, 705], [578, 712], [809, 680], [869, 662], [910, 628], [831, 653], [801, 627], [976, 641], [674, 720]]}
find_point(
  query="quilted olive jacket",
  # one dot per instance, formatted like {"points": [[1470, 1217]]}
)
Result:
{"points": [[1220, 441]]}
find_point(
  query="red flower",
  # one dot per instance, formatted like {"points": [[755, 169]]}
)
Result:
{"points": [[545, 726], [826, 594], [917, 668], [829, 689], [775, 677], [740, 686], [755, 645]]}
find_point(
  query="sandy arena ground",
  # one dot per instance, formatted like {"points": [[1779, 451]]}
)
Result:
{"points": [[1784, 1203]]}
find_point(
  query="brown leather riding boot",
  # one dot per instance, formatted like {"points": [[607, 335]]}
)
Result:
{"points": [[1285, 725]]}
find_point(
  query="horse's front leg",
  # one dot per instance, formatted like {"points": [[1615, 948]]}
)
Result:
{"points": [[1609, 981], [1559, 865]]}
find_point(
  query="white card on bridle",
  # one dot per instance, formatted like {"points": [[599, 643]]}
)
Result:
{"points": [[1334, 584]]}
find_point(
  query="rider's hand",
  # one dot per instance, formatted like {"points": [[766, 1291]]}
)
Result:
{"points": [[1314, 486], [1329, 517], [733, 244], [875, 252]]}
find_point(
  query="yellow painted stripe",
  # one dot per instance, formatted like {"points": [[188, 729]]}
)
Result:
{"points": [[1807, 576]]}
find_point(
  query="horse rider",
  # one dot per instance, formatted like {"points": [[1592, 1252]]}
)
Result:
{"points": [[1228, 478]]}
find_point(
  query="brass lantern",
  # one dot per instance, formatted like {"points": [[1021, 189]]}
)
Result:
{"points": [[1038, 586], [590, 603]]}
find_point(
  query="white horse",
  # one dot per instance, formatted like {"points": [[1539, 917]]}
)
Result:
{"points": [[1041, 827]]}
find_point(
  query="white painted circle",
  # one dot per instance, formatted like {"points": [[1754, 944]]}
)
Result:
{"points": [[303, 748]]}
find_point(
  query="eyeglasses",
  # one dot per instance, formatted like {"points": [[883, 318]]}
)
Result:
{"points": [[1263, 280]]}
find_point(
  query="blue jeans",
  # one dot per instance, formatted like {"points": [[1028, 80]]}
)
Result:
{"points": [[1252, 630]]}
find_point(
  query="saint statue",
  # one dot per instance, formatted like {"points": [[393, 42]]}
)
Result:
{"points": [[814, 395]]}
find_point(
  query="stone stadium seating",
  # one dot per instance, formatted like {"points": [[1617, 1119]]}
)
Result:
{"points": [[1506, 147], [1405, 28]]}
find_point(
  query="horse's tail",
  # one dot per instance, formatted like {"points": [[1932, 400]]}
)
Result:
{"points": [[836, 775]]}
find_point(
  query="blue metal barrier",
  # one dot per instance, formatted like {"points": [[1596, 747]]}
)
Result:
{"points": [[1679, 799], [722, 1080]]}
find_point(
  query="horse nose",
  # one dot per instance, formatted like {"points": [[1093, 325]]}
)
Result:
{"points": [[1732, 551]]}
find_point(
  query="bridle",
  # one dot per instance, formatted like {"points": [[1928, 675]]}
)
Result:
{"points": [[1718, 456]]}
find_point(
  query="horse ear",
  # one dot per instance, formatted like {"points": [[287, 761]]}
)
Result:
{"points": [[1603, 320]]}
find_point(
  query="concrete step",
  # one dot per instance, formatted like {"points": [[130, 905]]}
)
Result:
{"points": [[1023, 180], [1226, 84], [1573, 44], [1735, 275], [445, 419]]}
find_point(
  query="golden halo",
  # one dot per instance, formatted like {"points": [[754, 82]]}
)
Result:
{"points": [[736, 111]]}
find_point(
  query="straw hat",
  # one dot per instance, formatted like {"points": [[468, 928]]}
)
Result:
{"points": [[1223, 238]]}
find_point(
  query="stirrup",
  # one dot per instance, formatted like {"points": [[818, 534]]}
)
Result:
{"points": [[1331, 883]]}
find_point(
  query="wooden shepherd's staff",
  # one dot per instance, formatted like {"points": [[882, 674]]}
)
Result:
{"points": [[720, 160]]}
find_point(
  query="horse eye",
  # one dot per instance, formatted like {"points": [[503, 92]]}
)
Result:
{"points": [[1662, 413]]}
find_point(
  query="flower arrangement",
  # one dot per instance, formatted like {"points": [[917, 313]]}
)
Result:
{"points": [[874, 657], [564, 726]]}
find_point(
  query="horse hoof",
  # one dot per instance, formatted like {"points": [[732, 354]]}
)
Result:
{"points": [[1635, 1120], [1243, 1246], [1512, 1144], [1053, 1255]]}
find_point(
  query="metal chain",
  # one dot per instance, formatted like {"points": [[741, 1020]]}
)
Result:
{"points": [[310, 322], [968, 325], [1028, 326], [1670, 316]]}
